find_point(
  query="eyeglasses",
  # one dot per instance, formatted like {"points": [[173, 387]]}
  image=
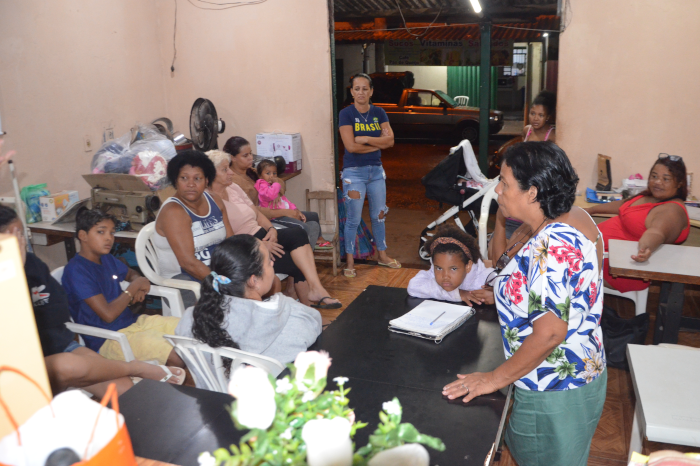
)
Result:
{"points": [[672, 158]]}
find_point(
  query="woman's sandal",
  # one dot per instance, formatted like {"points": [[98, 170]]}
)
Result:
{"points": [[350, 273], [321, 305], [394, 264], [324, 245]]}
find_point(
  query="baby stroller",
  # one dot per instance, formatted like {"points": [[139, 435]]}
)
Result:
{"points": [[458, 181]]}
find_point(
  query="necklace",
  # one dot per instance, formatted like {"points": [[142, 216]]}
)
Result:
{"points": [[368, 112]]}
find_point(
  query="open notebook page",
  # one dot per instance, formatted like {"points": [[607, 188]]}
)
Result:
{"points": [[420, 317]]}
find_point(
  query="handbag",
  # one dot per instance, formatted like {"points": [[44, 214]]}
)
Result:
{"points": [[618, 333], [71, 420]]}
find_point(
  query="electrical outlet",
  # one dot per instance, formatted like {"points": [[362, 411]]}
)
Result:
{"points": [[87, 143], [109, 134]]}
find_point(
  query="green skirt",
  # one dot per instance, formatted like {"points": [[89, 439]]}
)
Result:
{"points": [[556, 427]]}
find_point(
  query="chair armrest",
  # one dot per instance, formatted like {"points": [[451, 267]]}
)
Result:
{"points": [[181, 284], [173, 296], [104, 333]]}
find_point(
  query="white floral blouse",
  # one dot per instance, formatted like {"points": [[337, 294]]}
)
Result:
{"points": [[556, 271]]}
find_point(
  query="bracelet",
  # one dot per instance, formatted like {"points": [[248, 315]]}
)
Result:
{"points": [[131, 296]]}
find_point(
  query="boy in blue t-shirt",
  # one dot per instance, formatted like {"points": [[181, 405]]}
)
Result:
{"points": [[91, 280]]}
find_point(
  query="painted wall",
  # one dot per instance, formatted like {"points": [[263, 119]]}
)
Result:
{"points": [[628, 85], [426, 77], [265, 67], [68, 70]]}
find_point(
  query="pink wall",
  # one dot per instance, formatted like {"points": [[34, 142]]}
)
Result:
{"points": [[629, 85], [265, 68]]}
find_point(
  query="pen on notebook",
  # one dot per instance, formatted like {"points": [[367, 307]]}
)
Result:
{"points": [[431, 323]]}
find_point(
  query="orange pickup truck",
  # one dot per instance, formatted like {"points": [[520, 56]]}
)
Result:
{"points": [[425, 114]]}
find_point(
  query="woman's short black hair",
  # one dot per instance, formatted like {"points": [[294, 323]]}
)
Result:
{"points": [[88, 218], [234, 144], [545, 166], [7, 216], [453, 231], [193, 158], [361, 75]]}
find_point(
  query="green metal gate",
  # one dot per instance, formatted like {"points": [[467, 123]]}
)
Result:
{"points": [[464, 80]]}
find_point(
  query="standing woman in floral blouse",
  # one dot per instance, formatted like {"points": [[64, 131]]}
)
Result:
{"points": [[549, 303]]}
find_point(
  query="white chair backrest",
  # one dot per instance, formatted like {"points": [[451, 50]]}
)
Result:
{"points": [[147, 254], [58, 274], [489, 196], [462, 100], [199, 358]]}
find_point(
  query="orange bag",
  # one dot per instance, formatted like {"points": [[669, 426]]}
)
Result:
{"points": [[117, 452]]}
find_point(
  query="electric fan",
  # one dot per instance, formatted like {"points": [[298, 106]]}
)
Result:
{"points": [[205, 126]]}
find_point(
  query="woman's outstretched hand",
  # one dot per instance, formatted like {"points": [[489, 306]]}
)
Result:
{"points": [[470, 386], [643, 255]]}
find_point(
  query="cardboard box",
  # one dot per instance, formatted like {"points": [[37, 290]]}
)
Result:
{"points": [[54, 205], [288, 145]]}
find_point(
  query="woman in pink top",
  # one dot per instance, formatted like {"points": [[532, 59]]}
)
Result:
{"points": [[290, 246], [541, 118]]}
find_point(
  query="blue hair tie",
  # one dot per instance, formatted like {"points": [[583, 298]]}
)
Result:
{"points": [[219, 279]]}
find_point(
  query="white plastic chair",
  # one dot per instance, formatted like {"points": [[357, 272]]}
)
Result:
{"points": [[147, 258], [639, 297], [462, 100], [81, 329], [198, 357]]}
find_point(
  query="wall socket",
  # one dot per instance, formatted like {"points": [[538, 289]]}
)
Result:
{"points": [[108, 135], [87, 143]]}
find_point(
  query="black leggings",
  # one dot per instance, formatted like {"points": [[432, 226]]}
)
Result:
{"points": [[290, 239]]}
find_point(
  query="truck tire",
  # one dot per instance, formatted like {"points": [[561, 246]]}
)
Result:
{"points": [[470, 131]]}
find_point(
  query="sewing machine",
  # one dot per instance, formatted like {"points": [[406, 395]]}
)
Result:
{"points": [[127, 197]]}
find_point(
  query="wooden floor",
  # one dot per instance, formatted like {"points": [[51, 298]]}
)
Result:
{"points": [[611, 440]]}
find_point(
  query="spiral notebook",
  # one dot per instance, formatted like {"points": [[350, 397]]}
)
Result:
{"points": [[431, 320]]}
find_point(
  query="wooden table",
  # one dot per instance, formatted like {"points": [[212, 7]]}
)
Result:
{"points": [[48, 234], [671, 264], [666, 382], [581, 202]]}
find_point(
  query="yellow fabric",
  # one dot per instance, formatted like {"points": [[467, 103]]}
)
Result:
{"points": [[146, 339]]}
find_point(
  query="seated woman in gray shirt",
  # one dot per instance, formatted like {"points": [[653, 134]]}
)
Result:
{"points": [[232, 313]]}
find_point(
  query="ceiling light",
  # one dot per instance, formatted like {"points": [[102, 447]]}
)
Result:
{"points": [[546, 34], [476, 6]]}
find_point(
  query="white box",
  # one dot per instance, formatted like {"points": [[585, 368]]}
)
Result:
{"points": [[288, 145], [54, 205]]}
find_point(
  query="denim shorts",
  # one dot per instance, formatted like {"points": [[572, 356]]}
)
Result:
{"points": [[72, 346]]}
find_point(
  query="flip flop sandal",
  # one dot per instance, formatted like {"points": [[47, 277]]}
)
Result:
{"points": [[324, 245], [350, 273], [169, 375], [321, 305], [394, 264]]}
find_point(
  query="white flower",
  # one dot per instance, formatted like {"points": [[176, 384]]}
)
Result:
{"points": [[283, 386], [205, 459], [308, 396], [256, 406], [340, 380], [320, 360], [392, 407], [287, 434], [411, 454], [327, 442]]}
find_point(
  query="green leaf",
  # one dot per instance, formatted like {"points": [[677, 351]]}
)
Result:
{"points": [[564, 309], [534, 302], [556, 355], [565, 368], [383, 417]]}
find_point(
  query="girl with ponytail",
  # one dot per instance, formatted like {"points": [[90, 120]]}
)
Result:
{"points": [[231, 311]]}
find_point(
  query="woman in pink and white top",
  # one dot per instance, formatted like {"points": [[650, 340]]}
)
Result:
{"points": [[541, 118]]}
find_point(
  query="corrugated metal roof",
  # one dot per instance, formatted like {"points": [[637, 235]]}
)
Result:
{"points": [[347, 9], [350, 32]]}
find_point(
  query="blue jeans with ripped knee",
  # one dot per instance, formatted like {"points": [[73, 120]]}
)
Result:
{"points": [[369, 180]]}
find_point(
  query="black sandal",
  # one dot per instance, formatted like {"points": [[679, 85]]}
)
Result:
{"points": [[321, 305]]}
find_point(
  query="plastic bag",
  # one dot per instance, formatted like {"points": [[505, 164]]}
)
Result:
{"points": [[30, 195], [135, 153]]}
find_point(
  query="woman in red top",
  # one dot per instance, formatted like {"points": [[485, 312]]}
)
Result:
{"points": [[654, 217]]}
